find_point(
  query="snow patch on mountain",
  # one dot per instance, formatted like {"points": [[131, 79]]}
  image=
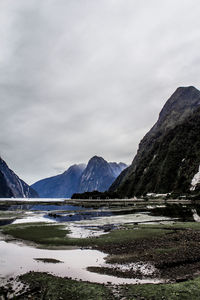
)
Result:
{"points": [[195, 180]]}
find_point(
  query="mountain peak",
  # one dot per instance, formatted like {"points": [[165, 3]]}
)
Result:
{"points": [[95, 157], [168, 155], [11, 185], [96, 160], [97, 175], [185, 95], [183, 102], [189, 88]]}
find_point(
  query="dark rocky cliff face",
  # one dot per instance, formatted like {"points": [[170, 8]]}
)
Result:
{"points": [[60, 186], [5, 191], [168, 156], [12, 186]]}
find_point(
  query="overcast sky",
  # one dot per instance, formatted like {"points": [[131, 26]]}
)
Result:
{"points": [[88, 77]]}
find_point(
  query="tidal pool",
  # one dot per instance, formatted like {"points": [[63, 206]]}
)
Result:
{"points": [[17, 259]]}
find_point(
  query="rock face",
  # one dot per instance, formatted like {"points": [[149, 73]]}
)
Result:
{"points": [[60, 186], [97, 175], [12, 186], [5, 191], [168, 156]]}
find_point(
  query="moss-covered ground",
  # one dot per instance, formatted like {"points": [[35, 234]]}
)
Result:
{"points": [[174, 249], [189, 290], [43, 286], [56, 235]]}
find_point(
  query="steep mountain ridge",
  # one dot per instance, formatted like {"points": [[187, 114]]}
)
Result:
{"points": [[62, 185], [11, 185], [5, 191], [97, 175], [157, 164]]}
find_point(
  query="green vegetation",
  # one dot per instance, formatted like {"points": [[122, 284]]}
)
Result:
{"points": [[178, 291], [172, 248], [45, 286], [38, 233], [56, 235], [10, 214], [173, 226]]}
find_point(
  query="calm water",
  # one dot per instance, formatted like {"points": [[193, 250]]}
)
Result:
{"points": [[73, 264], [40, 207]]}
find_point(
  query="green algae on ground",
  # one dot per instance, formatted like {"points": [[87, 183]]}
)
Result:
{"points": [[56, 235], [176, 291], [172, 249], [38, 233], [10, 214], [46, 286], [172, 225]]}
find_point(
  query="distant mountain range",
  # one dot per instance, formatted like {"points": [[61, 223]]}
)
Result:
{"points": [[12, 186], [168, 158], [62, 185], [97, 175]]}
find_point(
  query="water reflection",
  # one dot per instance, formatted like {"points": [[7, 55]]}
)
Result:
{"points": [[75, 263], [82, 215], [40, 207]]}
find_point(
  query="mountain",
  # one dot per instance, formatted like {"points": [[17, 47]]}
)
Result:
{"points": [[99, 175], [62, 185], [12, 186], [5, 191], [168, 156], [117, 168]]}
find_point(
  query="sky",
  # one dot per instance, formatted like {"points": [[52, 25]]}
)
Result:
{"points": [[80, 78]]}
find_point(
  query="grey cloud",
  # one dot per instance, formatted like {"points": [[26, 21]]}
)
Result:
{"points": [[86, 77]]}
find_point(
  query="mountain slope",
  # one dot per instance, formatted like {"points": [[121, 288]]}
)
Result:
{"points": [[168, 156], [99, 175], [117, 168], [5, 191], [60, 186], [12, 186]]}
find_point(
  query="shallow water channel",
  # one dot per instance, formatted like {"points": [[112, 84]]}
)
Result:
{"points": [[18, 258]]}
